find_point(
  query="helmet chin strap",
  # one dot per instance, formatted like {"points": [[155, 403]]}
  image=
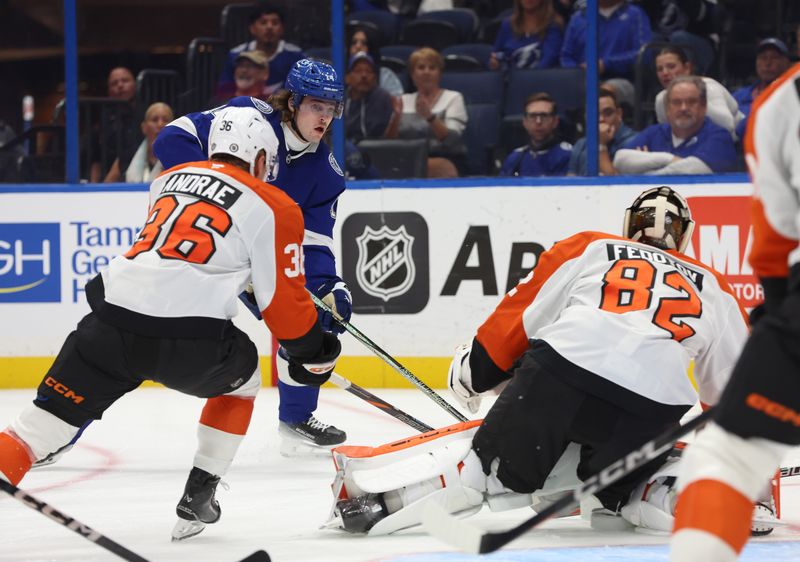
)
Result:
{"points": [[296, 129]]}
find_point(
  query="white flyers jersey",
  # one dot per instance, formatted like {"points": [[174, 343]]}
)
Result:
{"points": [[772, 150], [213, 229], [627, 312]]}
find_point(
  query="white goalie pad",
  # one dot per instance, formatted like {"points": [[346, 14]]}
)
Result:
{"points": [[402, 463]]}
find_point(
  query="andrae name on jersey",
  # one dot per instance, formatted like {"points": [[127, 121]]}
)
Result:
{"points": [[204, 186], [629, 252]]}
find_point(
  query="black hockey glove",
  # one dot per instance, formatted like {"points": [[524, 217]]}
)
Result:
{"points": [[315, 371]]}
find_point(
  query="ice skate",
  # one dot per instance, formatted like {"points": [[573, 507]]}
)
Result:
{"points": [[197, 506], [311, 437], [359, 515], [52, 458]]}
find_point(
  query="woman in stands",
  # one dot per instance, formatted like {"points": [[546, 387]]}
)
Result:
{"points": [[433, 113], [363, 40], [142, 166], [723, 110], [530, 37]]}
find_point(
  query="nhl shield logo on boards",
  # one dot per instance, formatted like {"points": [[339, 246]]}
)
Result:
{"points": [[385, 262], [385, 268]]}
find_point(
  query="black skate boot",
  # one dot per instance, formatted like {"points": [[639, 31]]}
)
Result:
{"points": [[198, 506], [359, 515], [309, 436]]}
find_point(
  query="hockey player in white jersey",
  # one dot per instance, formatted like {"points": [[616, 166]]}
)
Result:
{"points": [[594, 346], [162, 312], [758, 418]]}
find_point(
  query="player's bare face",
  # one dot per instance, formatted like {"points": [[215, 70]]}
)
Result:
{"points": [[267, 29], [313, 117], [685, 109], [669, 66]]}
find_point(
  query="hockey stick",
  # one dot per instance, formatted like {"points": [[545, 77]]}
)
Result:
{"points": [[469, 538], [393, 363], [367, 396], [87, 532]]}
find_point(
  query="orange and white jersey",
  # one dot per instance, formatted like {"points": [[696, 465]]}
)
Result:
{"points": [[627, 312], [213, 229], [772, 143]]}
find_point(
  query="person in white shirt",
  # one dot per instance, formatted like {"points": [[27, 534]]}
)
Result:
{"points": [[432, 112]]}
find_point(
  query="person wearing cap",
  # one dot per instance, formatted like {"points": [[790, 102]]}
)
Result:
{"points": [[251, 77], [367, 107], [772, 60], [266, 29]]}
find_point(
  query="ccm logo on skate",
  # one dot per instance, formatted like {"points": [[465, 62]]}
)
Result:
{"points": [[63, 390], [773, 409]]}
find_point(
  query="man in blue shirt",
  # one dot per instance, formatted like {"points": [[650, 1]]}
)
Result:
{"points": [[613, 133], [622, 30], [544, 155], [772, 60], [689, 143], [266, 28]]}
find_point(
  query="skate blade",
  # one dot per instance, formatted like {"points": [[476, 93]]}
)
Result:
{"points": [[294, 448], [186, 529]]}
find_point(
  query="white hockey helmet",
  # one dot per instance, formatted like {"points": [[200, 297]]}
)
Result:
{"points": [[659, 217], [243, 132]]}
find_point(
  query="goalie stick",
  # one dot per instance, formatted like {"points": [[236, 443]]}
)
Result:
{"points": [[393, 363], [468, 538], [87, 532], [367, 396]]}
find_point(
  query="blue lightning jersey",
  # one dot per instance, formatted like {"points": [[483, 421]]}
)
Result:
{"points": [[312, 178]]}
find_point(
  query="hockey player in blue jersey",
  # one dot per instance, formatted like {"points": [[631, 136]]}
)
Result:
{"points": [[307, 171]]}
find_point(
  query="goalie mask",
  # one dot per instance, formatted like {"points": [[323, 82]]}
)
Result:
{"points": [[659, 217]]}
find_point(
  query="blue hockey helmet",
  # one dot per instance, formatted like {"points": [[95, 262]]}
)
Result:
{"points": [[315, 79]]}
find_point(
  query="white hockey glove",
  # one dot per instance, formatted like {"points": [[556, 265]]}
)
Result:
{"points": [[459, 379]]}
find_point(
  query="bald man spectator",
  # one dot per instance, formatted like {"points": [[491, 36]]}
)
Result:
{"points": [[689, 143], [772, 60], [266, 29], [117, 131]]}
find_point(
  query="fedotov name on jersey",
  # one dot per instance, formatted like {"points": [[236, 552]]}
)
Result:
{"points": [[204, 186], [624, 251]]}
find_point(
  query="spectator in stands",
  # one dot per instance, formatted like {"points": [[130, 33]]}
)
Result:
{"points": [[544, 155], [612, 135], [250, 79], [368, 107], [723, 110], [142, 166], [266, 28], [689, 143], [622, 30], [434, 113], [362, 39], [530, 37], [772, 60], [118, 133]]}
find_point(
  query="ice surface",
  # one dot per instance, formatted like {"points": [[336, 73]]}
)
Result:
{"points": [[127, 473]]}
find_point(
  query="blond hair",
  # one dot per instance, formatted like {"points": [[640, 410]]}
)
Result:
{"points": [[545, 15], [280, 102], [156, 106], [425, 54]]}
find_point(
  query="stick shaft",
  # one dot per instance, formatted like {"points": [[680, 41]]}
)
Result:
{"points": [[379, 403], [70, 523], [392, 362]]}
